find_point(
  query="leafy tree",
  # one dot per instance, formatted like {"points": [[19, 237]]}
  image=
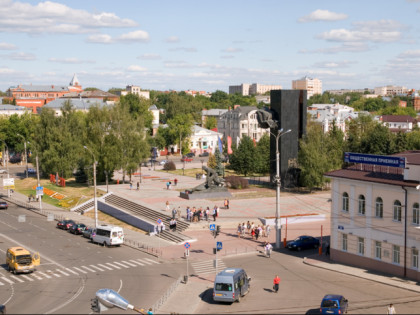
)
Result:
{"points": [[180, 128], [138, 106], [212, 161], [263, 154], [379, 141], [357, 128], [211, 123], [243, 159], [413, 140]]}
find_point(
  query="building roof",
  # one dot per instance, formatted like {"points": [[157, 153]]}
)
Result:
{"points": [[198, 129], [90, 94], [12, 107], [40, 88], [74, 81], [77, 103], [396, 118], [213, 112]]}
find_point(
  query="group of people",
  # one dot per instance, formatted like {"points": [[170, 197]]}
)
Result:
{"points": [[197, 214], [169, 184], [131, 185], [255, 231]]}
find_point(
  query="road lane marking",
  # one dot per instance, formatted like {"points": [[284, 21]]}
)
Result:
{"points": [[27, 277], [136, 262], [116, 267], [120, 264], [129, 263], [7, 280], [87, 268], [1, 283], [17, 279], [44, 274], [145, 261], [53, 273], [36, 276], [103, 266], [93, 266], [78, 269], [153, 261], [74, 272], [62, 272]]}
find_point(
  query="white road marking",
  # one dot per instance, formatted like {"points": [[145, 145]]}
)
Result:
{"points": [[79, 270], [87, 268], [120, 264], [93, 266], [103, 266], [17, 279], [7, 280], [153, 261], [129, 263], [68, 269], [116, 267], [44, 274], [137, 262], [27, 277], [62, 272], [36, 276]]}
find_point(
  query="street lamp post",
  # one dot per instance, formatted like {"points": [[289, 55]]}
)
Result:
{"points": [[6, 158], [26, 156], [277, 180], [94, 185]]}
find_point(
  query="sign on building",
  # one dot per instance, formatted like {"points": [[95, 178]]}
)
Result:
{"points": [[382, 160]]}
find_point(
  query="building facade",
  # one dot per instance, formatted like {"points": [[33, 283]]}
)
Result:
{"points": [[375, 216], [397, 123], [390, 90], [240, 121], [312, 86], [133, 89], [204, 140], [252, 89]]}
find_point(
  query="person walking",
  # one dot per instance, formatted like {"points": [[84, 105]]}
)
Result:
{"points": [[239, 230], [248, 227], [178, 213], [167, 185], [267, 230], [276, 283], [175, 181], [391, 309], [138, 185], [214, 213], [206, 213], [167, 206], [131, 185], [226, 203], [268, 248], [173, 213]]}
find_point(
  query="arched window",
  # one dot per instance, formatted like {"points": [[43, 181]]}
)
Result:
{"points": [[345, 202], [379, 208], [397, 211], [362, 205], [416, 214]]}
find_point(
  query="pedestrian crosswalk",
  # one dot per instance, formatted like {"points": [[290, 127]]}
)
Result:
{"points": [[9, 278], [207, 266]]}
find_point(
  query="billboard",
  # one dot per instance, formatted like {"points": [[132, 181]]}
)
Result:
{"points": [[382, 160], [8, 183]]}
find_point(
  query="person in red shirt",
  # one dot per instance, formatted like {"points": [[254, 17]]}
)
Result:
{"points": [[276, 283]]}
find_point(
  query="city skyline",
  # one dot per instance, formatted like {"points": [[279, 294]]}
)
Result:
{"points": [[209, 45]]}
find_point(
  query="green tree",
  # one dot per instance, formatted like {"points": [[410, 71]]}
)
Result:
{"points": [[180, 127], [263, 154], [379, 141], [138, 106], [211, 123], [242, 160]]}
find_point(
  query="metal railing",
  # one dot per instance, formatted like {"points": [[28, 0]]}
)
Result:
{"points": [[143, 247], [166, 295]]}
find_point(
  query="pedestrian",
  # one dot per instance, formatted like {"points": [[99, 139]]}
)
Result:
{"points": [[178, 213], [239, 230], [176, 181], [257, 233], [391, 309], [131, 185], [206, 213], [327, 249], [226, 203], [243, 229], [188, 214], [263, 231], [252, 233], [138, 185], [248, 227], [214, 213], [167, 185], [173, 213], [167, 205], [268, 247], [267, 230], [170, 185], [276, 283], [217, 211], [29, 198]]}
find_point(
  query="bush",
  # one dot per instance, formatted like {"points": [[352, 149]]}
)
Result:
{"points": [[169, 166], [237, 182]]}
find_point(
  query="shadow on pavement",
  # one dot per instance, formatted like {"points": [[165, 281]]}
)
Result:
{"points": [[313, 311]]}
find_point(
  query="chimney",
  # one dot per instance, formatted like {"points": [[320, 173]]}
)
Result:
{"points": [[236, 106], [52, 86]]}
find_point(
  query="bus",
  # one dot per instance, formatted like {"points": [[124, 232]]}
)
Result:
{"points": [[108, 235]]}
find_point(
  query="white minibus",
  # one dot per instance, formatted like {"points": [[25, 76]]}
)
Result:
{"points": [[108, 235]]}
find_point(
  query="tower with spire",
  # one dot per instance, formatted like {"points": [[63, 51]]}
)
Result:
{"points": [[74, 85]]}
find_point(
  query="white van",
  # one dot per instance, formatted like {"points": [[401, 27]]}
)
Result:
{"points": [[108, 235]]}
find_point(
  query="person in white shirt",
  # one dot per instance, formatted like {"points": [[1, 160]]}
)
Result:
{"points": [[268, 248], [391, 309]]}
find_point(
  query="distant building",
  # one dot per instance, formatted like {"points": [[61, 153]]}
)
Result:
{"points": [[195, 93], [416, 102], [95, 94], [391, 90], [344, 91], [215, 112], [79, 104], [252, 89], [133, 89], [312, 86], [34, 96], [204, 140], [9, 110], [155, 122], [396, 123], [240, 121]]}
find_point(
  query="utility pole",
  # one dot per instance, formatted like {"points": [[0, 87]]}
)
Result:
{"points": [[39, 184]]}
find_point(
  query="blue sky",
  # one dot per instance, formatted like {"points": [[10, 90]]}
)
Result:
{"points": [[209, 45]]}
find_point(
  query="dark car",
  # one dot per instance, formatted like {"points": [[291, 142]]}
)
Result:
{"points": [[65, 224], [303, 242], [3, 205], [190, 154], [77, 228], [186, 159], [87, 232], [334, 304], [204, 154]]}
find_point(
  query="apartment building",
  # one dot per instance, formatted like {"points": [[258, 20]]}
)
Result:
{"points": [[133, 89], [312, 86], [252, 89], [240, 121], [375, 213], [390, 90], [344, 91]]}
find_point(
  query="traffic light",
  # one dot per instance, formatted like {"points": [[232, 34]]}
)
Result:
{"points": [[217, 230], [94, 305]]}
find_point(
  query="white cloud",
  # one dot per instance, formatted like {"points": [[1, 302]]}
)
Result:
{"points": [[186, 49], [20, 56], [345, 47], [100, 39], [232, 50], [332, 64], [70, 60], [410, 53], [172, 39], [7, 46], [149, 57], [322, 15], [135, 36], [53, 17], [135, 68]]}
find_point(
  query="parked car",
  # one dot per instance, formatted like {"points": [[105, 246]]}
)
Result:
{"points": [[334, 304], [87, 233], [31, 171], [15, 159], [3, 205], [204, 154], [77, 228], [163, 162], [186, 159], [3, 171], [303, 242], [65, 224], [190, 154]]}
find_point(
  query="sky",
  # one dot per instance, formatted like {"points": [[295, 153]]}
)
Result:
{"points": [[207, 45]]}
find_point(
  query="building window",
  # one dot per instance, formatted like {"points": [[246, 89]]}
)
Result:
{"points": [[362, 205], [415, 258], [379, 208], [397, 211], [416, 214], [344, 243], [361, 246], [378, 250], [346, 202], [395, 254]]}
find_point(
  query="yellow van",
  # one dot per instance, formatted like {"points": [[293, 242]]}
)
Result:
{"points": [[20, 260]]}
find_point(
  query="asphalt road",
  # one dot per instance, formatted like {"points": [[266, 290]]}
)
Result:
{"points": [[302, 288], [72, 269]]}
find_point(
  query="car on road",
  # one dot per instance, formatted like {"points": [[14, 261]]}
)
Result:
{"points": [[204, 154], [334, 304], [163, 162], [186, 159], [31, 171], [65, 224], [77, 228], [2, 171], [20, 260], [190, 154], [87, 233], [303, 242], [3, 205]]}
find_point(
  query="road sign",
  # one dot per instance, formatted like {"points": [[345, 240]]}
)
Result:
{"points": [[212, 227], [159, 221], [219, 245], [187, 245], [40, 191], [8, 183]]}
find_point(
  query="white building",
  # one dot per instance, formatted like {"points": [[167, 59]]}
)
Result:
{"points": [[312, 86], [252, 89], [239, 122], [133, 89], [390, 90], [396, 123], [204, 140], [9, 110]]}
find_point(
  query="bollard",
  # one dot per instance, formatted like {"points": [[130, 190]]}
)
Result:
{"points": [[284, 243], [118, 181], [320, 250]]}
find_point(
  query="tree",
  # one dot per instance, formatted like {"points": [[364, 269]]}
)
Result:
{"points": [[263, 154], [211, 123], [378, 141], [138, 106], [180, 127], [243, 159]]}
